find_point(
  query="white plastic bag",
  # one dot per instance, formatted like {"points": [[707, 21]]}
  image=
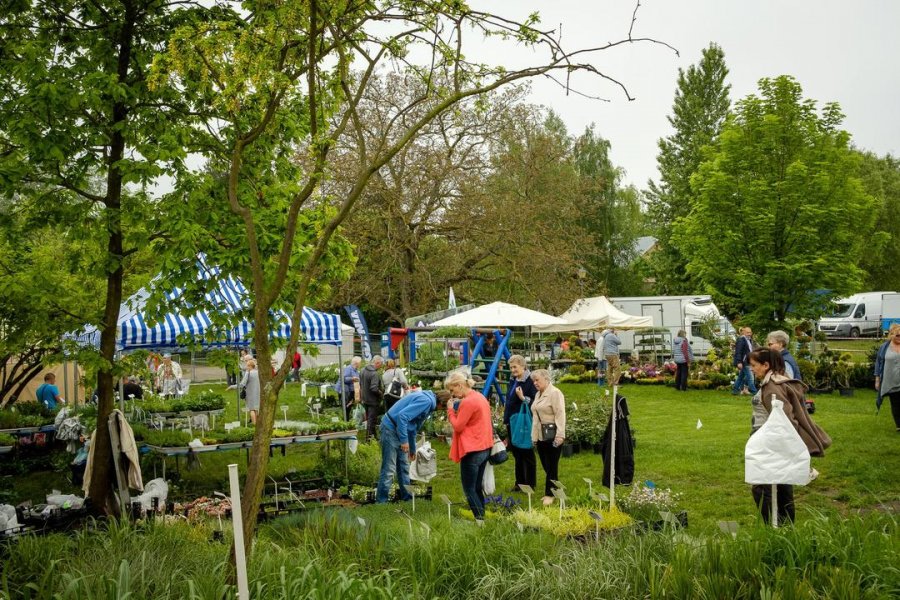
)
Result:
{"points": [[424, 468], [155, 488], [776, 454], [488, 485]]}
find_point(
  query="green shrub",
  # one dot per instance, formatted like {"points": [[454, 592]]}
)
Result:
{"points": [[205, 400], [364, 467], [7, 440], [577, 369]]}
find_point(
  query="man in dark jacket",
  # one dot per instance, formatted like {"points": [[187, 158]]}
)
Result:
{"points": [[742, 349], [372, 390]]}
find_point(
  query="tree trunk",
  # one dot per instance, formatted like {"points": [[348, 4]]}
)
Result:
{"points": [[100, 490]]}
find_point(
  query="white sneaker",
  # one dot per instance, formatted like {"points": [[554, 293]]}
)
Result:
{"points": [[231, 387], [813, 473]]}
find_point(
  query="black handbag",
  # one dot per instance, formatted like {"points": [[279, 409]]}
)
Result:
{"points": [[548, 432]]}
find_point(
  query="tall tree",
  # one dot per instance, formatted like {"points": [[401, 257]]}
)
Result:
{"points": [[83, 136], [279, 83], [611, 216], [780, 211], [881, 178], [698, 113]]}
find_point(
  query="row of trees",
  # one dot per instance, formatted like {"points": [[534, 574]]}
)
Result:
{"points": [[766, 203], [293, 111]]}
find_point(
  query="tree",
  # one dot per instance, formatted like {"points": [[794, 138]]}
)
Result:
{"points": [[780, 211], [698, 113], [280, 89], [881, 178], [611, 215], [82, 136]]}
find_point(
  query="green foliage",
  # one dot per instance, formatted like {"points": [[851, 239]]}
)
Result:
{"points": [[364, 465], [238, 434], [698, 114], [323, 374], [7, 439], [204, 401], [880, 177], [177, 439], [781, 191]]}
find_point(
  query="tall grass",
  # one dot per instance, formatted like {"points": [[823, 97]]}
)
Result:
{"points": [[333, 555]]}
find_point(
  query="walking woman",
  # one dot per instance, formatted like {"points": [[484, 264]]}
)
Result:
{"points": [[887, 372], [470, 416], [548, 429], [683, 355], [250, 383], [521, 391], [768, 367]]}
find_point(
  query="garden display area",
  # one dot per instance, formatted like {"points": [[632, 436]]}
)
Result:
{"points": [[688, 460]]}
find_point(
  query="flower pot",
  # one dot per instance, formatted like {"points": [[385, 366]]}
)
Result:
{"points": [[567, 450], [848, 391], [598, 449]]}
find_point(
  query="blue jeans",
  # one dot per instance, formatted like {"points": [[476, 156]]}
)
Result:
{"points": [[745, 377], [393, 459], [471, 471]]}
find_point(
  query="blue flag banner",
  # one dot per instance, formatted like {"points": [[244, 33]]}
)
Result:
{"points": [[359, 323]]}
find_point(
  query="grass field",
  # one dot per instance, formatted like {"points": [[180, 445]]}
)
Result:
{"points": [[705, 465]]}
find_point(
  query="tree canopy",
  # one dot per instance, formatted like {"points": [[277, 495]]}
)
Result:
{"points": [[779, 209]]}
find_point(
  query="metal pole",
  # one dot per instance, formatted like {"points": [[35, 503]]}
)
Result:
{"points": [[237, 520], [343, 394], [774, 504], [612, 451]]}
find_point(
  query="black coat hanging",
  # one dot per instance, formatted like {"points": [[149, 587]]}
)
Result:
{"points": [[624, 445]]}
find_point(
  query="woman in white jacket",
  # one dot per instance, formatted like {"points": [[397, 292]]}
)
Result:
{"points": [[548, 428]]}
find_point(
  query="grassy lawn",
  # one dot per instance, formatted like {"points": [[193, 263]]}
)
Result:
{"points": [[705, 465]]}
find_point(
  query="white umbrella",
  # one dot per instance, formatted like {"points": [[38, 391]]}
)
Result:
{"points": [[499, 314]]}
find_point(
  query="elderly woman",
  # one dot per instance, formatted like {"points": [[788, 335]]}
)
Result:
{"points": [[344, 386], [779, 341], [392, 372], [682, 355], [521, 391], [768, 367], [548, 429], [168, 377], [473, 437], [887, 372], [250, 383]]}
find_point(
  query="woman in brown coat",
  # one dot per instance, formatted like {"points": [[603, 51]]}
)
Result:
{"points": [[768, 367]]}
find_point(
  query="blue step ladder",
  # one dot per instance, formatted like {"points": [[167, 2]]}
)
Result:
{"points": [[491, 381]]}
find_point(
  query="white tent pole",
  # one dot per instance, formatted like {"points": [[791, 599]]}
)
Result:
{"points": [[343, 395], [612, 450]]}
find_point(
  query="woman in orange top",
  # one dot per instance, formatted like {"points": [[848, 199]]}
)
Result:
{"points": [[473, 436]]}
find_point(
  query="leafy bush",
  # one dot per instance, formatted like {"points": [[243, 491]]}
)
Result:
{"points": [[364, 467], [575, 522], [13, 420], [324, 374], [577, 369], [205, 400], [645, 503], [166, 438], [238, 434], [7, 440]]}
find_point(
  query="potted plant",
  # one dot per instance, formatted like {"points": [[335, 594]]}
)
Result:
{"points": [[841, 374]]}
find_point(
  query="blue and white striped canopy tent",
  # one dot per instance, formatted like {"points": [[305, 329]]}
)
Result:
{"points": [[228, 297]]}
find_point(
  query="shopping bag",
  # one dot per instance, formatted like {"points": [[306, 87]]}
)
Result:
{"points": [[520, 428], [498, 452], [488, 485], [359, 416], [424, 468], [776, 454]]}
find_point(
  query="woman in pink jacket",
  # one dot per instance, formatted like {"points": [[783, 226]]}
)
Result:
{"points": [[473, 437]]}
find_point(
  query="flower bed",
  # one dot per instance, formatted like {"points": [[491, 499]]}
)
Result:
{"points": [[574, 522]]}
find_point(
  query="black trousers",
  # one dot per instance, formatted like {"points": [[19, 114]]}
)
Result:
{"points": [[550, 463], [526, 465], [762, 495], [895, 408], [681, 376], [371, 419]]}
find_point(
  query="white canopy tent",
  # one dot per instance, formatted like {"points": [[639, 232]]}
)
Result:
{"points": [[588, 314], [500, 314]]}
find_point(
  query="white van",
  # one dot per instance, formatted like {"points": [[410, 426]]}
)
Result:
{"points": [[673, 313], [855, 316]]}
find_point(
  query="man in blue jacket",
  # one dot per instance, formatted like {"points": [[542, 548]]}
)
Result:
{"points": [[398, 438], [742, 349]]}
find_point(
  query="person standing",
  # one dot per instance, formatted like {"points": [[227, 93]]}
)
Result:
{"points": [[611, 343], [168, 377], [344, 386], [250, 383], [779, 341], [887, 372], [473, 437], [399, 428], [48, 394], [742, 349], [549, 411], [393, 393], [372, 391], [132, 389], [600, 355], [296, 365], [683, 355], [768, 366], [521, 391]]}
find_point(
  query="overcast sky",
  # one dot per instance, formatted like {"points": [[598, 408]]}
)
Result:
{"points": [[839, 50]]}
